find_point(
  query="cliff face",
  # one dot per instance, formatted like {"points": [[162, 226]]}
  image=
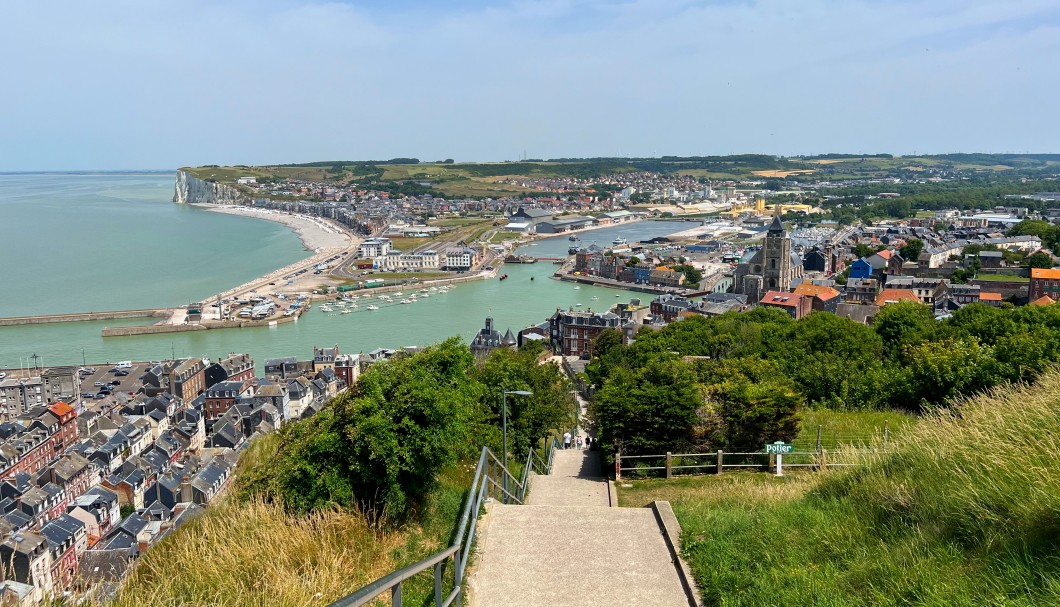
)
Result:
{"points": [[191, 189]]}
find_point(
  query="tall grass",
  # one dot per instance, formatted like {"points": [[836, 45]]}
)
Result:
{"points": [[253, 554], [963, 509]]}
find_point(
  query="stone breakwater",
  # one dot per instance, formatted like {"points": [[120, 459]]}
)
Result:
{"points": [[190, 189]]}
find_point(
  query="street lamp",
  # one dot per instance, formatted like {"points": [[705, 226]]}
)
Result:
{"points": [[504, 432]]}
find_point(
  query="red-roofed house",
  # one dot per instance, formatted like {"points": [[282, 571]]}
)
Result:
{"points": [[823, 299], [1044, 300], [888, 296], [795, 304], [990, 299], [1044, 281]]}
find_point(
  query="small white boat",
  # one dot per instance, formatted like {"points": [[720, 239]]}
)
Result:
{"points": [[384, 297], [397, 293], [576, 288], [345, 311], [406, 301], [618, 296], [425, 296], [373, 307], [577, 305], [595, 298]]}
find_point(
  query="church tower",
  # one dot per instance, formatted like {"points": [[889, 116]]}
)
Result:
{"points": [[776, 258]]}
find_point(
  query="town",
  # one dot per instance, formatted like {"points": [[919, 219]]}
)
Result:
{"points": [[100, 462]]}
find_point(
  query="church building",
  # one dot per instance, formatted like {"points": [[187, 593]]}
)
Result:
{"points": [[775, 267]]}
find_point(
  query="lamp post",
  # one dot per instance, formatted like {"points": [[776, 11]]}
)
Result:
{"points": [[504, 433]]}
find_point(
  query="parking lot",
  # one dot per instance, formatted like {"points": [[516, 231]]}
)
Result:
{"points": [[92, 384]]}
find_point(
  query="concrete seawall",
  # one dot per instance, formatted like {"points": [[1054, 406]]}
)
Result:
{"points": [[208, 325], [81, 316]]}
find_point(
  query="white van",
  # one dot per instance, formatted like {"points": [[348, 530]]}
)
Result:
{"points": [[125, 364]]}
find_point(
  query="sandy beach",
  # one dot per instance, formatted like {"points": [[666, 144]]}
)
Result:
{"points": [[314, 232]]}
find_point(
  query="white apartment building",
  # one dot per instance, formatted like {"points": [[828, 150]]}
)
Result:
{"points": [[394, 260], [374, 247]]}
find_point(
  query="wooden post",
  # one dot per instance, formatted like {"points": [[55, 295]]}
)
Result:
{"points": [[618, 465], [818, 438], [721, 455], [669, 463]]}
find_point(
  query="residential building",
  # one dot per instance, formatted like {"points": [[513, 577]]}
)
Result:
{"points": [[822, 299], [889, 296], [374, 247], [1045, 282], [324, 358], [220, 397], [572, 333], [795, 304], [236, 367], [187, 378], [488, 339], [459, 259]]}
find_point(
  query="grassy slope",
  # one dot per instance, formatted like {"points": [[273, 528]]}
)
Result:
{"points": [[963, 510], [255, 555]]}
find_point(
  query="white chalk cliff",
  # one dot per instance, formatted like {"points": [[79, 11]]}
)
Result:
{"points": [[191, 189]]}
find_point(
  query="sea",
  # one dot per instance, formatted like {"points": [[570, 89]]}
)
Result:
{"points": [[95, 242]]}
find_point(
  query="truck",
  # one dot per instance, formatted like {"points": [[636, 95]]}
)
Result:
{"points": [[373, 282]]}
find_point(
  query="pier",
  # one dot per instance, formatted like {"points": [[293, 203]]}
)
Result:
{"points": [[82, 316]]}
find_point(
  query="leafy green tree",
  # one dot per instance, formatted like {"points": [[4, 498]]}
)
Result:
{"points": [[910, 251], [549, 408], [381, 446], [692, 275], [751, 403], [633, 262], [649, 410], [1040, 259], [904, 323], [947, 369]]}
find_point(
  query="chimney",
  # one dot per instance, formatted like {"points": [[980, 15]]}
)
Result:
{"points": [[185, 490]]}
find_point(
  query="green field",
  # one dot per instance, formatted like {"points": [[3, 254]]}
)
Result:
{"points": [[1002, 278]]}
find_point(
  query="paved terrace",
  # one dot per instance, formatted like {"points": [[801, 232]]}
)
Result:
{"points": [[569, 546]]}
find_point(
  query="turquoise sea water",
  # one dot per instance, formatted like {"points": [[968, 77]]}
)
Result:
{"points": [[79, 243], [516, 302]]}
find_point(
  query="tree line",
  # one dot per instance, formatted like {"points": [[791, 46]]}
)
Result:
{"points": [[733, 381]]}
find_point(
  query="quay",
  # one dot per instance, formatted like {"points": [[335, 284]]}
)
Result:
{"points": [[82, 316], [617, 284]]}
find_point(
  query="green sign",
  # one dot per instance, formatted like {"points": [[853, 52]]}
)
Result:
{"points": [[779, 447]]}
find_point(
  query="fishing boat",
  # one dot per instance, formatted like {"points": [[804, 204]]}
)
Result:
{"points": [[345, 311], [373, 307], [406, 301], [618, 241], [573, 238]]}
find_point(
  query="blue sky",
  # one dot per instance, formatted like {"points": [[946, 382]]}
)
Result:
{"points": [[149, 84]]}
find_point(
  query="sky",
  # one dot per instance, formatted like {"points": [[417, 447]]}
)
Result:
{"points": [[144, 84]]}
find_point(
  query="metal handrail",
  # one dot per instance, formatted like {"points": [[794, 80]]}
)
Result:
{"points": [[488, 468]]}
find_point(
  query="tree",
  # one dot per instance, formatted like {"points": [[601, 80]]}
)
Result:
{"points": [[910, 251], [904, 323], [692, 275], [633, 262], [380, 447], [1040, 259], [551, 406], [649, 410], [751, 403]]}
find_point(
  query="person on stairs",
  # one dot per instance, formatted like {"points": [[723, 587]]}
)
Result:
{"points": [[566, 440]]}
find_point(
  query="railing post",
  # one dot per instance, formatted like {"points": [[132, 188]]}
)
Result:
{"points": [[437, 585], [458, 577], [669, 464], [818, 438], [395, 595], [618, 465], [721, 456]]}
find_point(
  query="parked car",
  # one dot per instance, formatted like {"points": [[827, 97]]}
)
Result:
{"points": [[88, 395], [102, 394], [121, 374], [116, 382], [99, 384]]}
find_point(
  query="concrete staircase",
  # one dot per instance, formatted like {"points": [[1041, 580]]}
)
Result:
{"points": [[568, 546]]}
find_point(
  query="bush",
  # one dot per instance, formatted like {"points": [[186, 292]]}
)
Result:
{"points": [[380, 447]]}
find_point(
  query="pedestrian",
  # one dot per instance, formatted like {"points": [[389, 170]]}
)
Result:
{"points": [[566, 440], [579, 441]]}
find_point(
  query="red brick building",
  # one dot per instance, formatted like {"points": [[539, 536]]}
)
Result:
{"points": [[795, 304], [1044, 283]]}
